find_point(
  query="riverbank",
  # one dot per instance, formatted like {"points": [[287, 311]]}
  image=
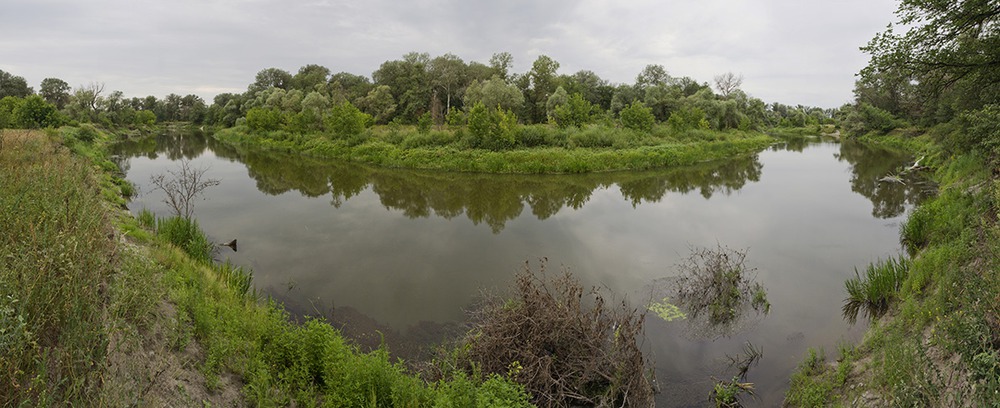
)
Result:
{"points": [[98, 310], [939, 342], [544, 149]]}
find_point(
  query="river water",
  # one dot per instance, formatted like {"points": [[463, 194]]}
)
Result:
{"points": [[402, 254]]}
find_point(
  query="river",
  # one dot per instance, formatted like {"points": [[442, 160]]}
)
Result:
{"points": [[402, 253]]}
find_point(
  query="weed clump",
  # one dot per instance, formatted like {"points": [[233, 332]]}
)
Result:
{"points": [[717, 289], [565, 344]]}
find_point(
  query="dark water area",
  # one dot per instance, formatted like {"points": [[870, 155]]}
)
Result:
{"points": [[402, 254]]}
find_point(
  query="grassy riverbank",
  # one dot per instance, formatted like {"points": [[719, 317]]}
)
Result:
{"points": [[939, 343], [97, 310], [540, 148]]}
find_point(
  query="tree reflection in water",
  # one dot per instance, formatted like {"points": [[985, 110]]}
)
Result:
{"points": [[495, 199]]}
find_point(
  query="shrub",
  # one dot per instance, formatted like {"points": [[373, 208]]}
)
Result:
{"points": [[492, 129], [263, 120], [346, 120], [424, 123]]}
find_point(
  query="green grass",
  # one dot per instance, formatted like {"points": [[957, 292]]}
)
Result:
{"points": [[873, 293], [542, 149], [66, 288]]}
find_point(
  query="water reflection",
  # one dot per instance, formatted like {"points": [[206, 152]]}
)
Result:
{"points": [[488, 199], [870, 168]]}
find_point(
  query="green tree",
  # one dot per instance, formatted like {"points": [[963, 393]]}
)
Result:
{"points": [[637, 116], [448, 74], [12, 85], [951, 49], [501, 63], [380, 104], [55, 91], [409, 83], [542, 81], [311, 78], [652, 75], [270, 78], [558, 98], [575, 112]]}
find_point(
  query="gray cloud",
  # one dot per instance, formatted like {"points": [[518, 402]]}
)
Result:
{"points": [[794, 52]]}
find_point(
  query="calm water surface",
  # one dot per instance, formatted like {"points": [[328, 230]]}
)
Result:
{"points": [[406, 252]]}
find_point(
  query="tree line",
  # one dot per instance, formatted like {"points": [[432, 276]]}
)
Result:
{"points": [[419, 90], [57, 103]]}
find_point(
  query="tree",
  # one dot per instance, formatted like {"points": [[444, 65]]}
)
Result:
{"points": [[270, 78], [408, 81], [349, 87], [728, 83], [183, 187], [379, 103], [12, 85], [637, 116], [542, 82], [575, 112], [492, 129], [557, 99], [263, 120], [55, 91], [447, 73], [494, 92], [652, 75], [310, 78], [501, 63], [949, 46]]}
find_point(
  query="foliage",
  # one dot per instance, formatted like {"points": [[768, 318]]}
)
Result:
{"points": [[864, 118], [564, 343], [345, 120], [638, 117], [575, 112], [263, 120], [492, 129]]}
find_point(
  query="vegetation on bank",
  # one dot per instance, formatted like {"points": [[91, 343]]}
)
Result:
{"points": [[932, 90]]}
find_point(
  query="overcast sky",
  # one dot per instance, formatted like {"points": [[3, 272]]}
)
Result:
{"points": [[788, 51]]}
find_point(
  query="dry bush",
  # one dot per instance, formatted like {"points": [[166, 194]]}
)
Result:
{"points": [[565, 344]]}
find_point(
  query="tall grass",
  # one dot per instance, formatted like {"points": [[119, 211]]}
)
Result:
{"points": [[54, 268], [185, 233], [872, 293]]}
